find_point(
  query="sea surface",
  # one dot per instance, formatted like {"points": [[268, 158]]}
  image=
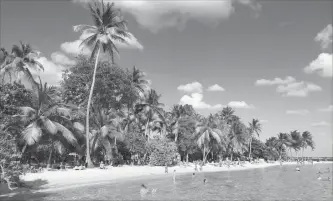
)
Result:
{"points": [[271, 183]]}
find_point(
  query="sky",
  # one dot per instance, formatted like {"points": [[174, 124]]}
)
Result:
{"points": [[270, 60]]}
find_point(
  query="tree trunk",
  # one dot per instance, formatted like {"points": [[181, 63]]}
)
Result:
{"points": [[186, 157], [88, 159], [250, 148], [146, 131], [203, 155], [49, 161]]}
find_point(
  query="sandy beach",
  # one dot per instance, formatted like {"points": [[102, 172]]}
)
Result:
{"points": [[57, 180]]}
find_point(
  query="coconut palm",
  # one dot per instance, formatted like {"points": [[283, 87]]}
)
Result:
{"points": [[207, 133], [22, 58], [150, 110], [254, 127], [238, 137], [296, 140], [44, 119], [108, 28], [307, 141], [228, 114]]}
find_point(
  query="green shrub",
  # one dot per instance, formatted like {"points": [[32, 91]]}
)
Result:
{"points": [[162, 152]]}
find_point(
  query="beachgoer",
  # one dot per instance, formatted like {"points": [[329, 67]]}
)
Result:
{"points": [[297, 169], [143, 191], [174, 176], [204, 181], [193, 175], [166, 169], [101, 165], [196, 167]]}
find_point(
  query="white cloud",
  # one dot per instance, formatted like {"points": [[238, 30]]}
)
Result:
{"points": [[240, 104], [60, 58], [196, 100], [194, 87], [275, 81], [324, 37], [320, 124], [328, 109], [156, 15], [75, 47], [289, 86], [322, 65], [52, 73], [215, 87], [298, 112], [263, 121], [298, 89]]}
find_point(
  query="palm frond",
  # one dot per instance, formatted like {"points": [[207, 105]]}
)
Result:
{"points": [[32, 133], [67, 134], [84, 28], [49, 125]]}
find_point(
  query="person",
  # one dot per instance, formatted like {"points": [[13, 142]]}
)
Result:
{"points": [[196, 167], [174, 176], [297, 169], [193, 175], [166, 169], [204, 181], [143, 191], [101, 165]]}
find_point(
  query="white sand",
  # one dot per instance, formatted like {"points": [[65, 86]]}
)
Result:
{"points": [[59, 180]]}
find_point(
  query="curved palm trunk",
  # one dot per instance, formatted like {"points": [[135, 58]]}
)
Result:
{"points": [[250, 148], [88, 159], [146, 131], [49, 160]]}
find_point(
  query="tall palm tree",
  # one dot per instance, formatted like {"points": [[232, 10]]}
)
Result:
{"points": [[296, 140], [208, 133], [283, 140], [43, 120], [108, 28], [254, 127], [227, 114], [22, 58]]}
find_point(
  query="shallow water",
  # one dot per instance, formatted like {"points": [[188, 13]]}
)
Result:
{"points": [[272, 183]]}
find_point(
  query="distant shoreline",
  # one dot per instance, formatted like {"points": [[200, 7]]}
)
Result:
{"points": [[62, 180]]}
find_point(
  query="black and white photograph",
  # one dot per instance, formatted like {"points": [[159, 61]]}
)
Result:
{"points": [[166, 100]]}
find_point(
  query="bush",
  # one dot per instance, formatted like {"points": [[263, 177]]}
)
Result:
{"points": [[162, 152]]}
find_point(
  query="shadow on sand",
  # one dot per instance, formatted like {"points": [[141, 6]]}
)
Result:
{"points": [[26, 191]]}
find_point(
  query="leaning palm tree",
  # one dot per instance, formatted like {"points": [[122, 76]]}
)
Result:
{"points": [[22, 58], [238, 137], [296, 140], [108, 28], [254, 127], [306, 141], [44, 119]]}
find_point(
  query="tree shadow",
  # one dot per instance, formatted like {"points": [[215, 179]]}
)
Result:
{"points": [[26, 191]]}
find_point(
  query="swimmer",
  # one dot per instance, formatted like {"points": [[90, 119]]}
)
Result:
{"points": [[297, 169], [143, 190]]}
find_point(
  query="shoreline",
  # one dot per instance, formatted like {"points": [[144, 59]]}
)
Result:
{"points": [[61, 180]]}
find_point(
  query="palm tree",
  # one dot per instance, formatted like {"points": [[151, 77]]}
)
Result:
{"points": [[306, 141], [227, 114], [150, 109], [238, 137], [207, 134], [283, 140], [254, 127], [296, 140], [44, 119], [22, 58], [108, 28]]}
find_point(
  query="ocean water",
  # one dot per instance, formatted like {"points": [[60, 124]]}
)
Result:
{"points": [[272, 183]]}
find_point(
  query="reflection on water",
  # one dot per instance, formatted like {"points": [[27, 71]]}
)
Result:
{"points": [[274, 183]]}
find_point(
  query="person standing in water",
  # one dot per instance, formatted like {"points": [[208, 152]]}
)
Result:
{"points": [[204, 181], [193, 175], [174, 176]]}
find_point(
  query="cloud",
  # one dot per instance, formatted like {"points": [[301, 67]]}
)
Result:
{"points": [[328, 109], [320, 124], [60, 58], [75, 47], [324, 37], [322, 65], [52, 73], [240, 104], [275, 81], [157, 15], [298, 89], [290, 87], [196, 100], [298, 112], [215, 87], [263, 121], [191, 87]]}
